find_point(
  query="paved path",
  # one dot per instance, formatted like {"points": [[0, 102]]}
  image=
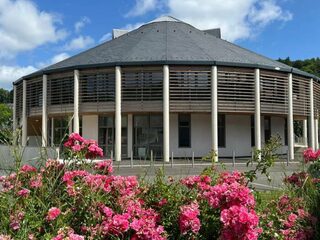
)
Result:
{"points": [[179, 170], [182, 168]]}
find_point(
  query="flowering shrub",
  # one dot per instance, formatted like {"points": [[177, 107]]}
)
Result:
{"points": [[311, 156], [79, 147], [287, 219], [232, 198], [86, 201], [188, 219]]}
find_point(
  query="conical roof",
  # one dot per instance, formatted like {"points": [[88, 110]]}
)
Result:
{"points": [[167, 40]]}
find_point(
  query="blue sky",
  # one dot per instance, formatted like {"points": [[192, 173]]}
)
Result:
{"points": [[37, 33]]}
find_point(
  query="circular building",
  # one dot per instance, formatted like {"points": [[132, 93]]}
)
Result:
{"points": [[169, 88]]}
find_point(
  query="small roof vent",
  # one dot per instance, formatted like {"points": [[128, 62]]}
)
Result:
{"points": [[216, 32], [165, 19], [118, 33]]}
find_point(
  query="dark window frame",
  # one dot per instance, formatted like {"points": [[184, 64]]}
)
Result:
{"points": [[180, 128], [252, 127], [285, 131], [221, 129], [267, 131]]}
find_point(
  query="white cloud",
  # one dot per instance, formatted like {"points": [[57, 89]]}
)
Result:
{"points": [[59, 57], [141, 7], [79, 43], [128, 27], [134, 26], [105, 37], [267, 11], [9, 74], [24, 27], [56, 58], [81, 23], [238, 19]]}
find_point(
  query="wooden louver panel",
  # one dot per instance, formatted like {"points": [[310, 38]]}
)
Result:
{"points": [[19, 99], [300, 95], [97, 91], [34, 96], [316, 98], [142, 89], [190, 89], [60, 93], [273, 92], [236, 90]]}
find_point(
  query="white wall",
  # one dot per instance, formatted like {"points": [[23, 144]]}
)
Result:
{"points": [[238, 136], [90, 126], [200, 136]]}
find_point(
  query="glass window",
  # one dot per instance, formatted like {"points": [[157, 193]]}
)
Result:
{"points": [[267, 128], [148, 135], [60, 130], [286, 132], [106, 134], [221, 130], [253, 137], [184, 130]]}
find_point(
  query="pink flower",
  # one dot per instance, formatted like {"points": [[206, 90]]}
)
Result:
{"points": [[188, 219], [36, 181], [162, 202], [301, 213], [292, 217], [73, 236], [5, 237], [15, 225], [239, 223], [53, 213], [76, 148], [24, 192], [94, 151], [76, 137], [105, 165], [310, 155], [28, 168], [120, 223], [108, 212], [58, 237]]}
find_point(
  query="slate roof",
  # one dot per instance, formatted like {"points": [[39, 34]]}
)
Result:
{"points": [[167, 41]]}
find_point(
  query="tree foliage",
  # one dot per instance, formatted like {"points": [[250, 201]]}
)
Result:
{"points": [[5, 123], [6, 96], [311, 65]]}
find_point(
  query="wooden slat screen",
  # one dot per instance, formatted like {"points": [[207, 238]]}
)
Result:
{"points": [[301, 94], [236, 89], [273, 92], [142, 89], [19, 99], [60, 93], [34, 96], [316, 97], [190, 89], [97, 90]]}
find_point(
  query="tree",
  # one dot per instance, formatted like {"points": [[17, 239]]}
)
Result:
{"points": [[5, 123], [311, 65], [6, 96]]}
